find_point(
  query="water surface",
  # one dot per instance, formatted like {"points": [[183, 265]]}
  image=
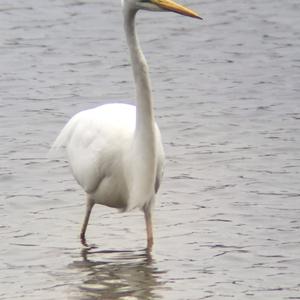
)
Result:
{"points": [[227, 102]]}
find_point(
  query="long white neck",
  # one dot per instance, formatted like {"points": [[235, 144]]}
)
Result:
{"points": [[143, 165], [144, 114]]}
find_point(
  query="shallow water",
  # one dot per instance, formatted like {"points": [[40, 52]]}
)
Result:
{"points": [[227, 101]]}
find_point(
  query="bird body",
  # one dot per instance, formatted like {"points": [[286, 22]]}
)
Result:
{"points": [[115, 150], [103, 154]]}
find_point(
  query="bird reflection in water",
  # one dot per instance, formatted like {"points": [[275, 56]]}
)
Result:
{"points": [[120, 275]]}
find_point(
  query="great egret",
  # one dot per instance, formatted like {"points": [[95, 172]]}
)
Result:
{"points": [[115, 150]]}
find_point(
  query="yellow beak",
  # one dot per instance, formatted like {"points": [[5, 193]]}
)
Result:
{"points": [[177, 8]]}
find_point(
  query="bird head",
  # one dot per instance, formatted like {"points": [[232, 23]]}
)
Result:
{"points": [[160, 5]]}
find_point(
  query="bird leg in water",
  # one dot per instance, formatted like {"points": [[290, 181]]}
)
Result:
{"points": [[89, 205], [148, 220]]}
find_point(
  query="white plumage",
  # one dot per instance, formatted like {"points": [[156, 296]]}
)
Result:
{"points": [[100, 149], [115, 150]]}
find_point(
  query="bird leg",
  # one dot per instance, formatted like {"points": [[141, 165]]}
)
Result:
{"points": [[148, 220], [89, 205]]}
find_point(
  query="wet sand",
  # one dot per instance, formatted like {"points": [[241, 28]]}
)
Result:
{"points": [[227, 102]]}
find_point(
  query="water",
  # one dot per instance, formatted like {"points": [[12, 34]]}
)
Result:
{"points": [[227, 101]]}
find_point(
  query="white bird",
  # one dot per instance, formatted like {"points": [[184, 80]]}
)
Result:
{"points": [[115, 150]]}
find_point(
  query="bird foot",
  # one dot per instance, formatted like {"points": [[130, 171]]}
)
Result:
{"points": [[149, 247], [83, 240], [85, 244]]}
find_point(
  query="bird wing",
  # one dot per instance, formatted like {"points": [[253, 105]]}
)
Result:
{"points": [[160, 160], [95, 140]]}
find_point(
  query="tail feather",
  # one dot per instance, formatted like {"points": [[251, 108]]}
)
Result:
{"points": [[64, 136]]}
